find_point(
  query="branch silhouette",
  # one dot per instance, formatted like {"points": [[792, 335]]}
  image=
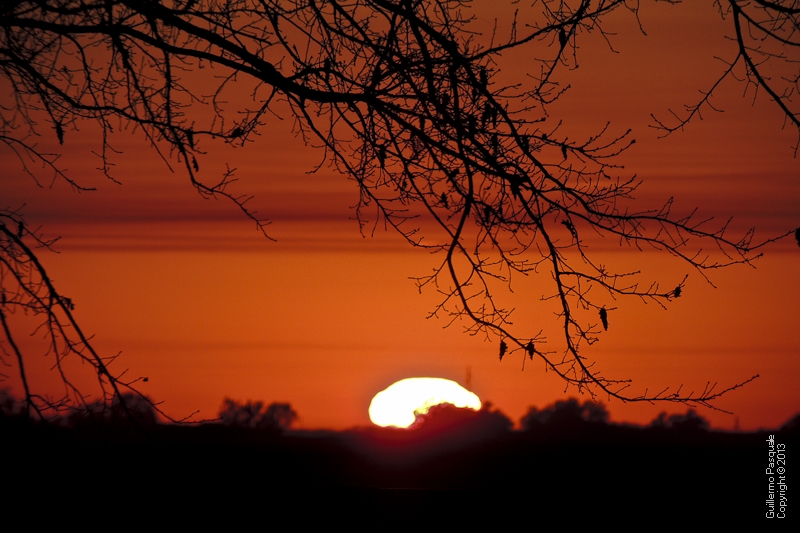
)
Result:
{"points": [[27, 289], [403, 98], [767, 37]]}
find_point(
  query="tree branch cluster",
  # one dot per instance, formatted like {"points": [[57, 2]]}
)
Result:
{"points": [[28, 292], [766, 60], [404, 99]]}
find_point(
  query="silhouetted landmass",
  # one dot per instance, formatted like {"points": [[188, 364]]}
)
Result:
{"points": [[568, 458]]}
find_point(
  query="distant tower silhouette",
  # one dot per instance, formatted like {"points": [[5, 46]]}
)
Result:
{"points": [[469, 378]]}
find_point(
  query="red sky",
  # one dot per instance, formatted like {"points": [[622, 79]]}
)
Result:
{"points": [[202, 304]]}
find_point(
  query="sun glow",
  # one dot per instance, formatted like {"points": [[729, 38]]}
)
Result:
{"points": [[400, 403]]}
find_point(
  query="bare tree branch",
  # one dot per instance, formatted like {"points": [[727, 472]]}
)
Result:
{"points": [[767, 37], [402, 98]]}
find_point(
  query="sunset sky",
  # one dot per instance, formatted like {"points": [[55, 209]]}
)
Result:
{"points": [[200, 302]]}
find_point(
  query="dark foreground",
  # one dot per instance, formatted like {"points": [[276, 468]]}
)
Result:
{"points": [[587, 471]]}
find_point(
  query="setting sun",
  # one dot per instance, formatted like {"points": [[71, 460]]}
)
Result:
{"points": [[400, 403]]}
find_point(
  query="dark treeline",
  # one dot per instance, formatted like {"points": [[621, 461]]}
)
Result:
{"points": [[566, 454]]}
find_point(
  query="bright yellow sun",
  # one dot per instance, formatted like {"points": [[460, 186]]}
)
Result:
{"points": [[399, 404]]}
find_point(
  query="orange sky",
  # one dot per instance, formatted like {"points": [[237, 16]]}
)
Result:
{"points": [[206, 307]]}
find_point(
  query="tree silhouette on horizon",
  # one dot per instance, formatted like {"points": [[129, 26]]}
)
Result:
{"points": [[275, 417], [405, 100]]}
